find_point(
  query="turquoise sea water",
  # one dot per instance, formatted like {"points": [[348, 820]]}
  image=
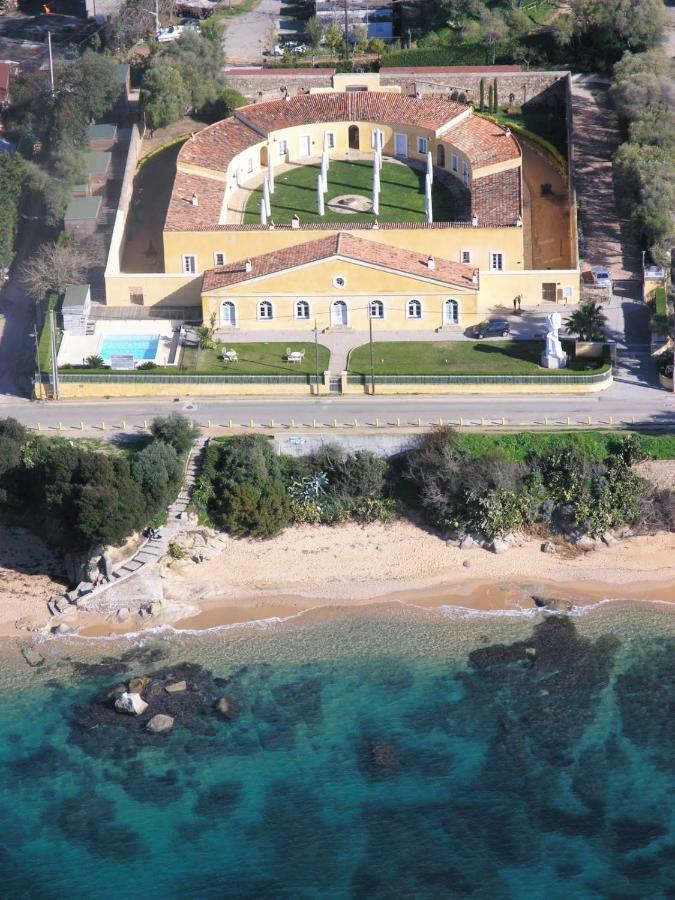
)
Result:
{"points": [[408, 755]]}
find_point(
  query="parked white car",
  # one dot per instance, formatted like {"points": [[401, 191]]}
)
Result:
{"points": [[601, 277], [172, 33]]}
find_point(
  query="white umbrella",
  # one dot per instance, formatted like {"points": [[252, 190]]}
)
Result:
{"points": [[427, 199], [319, 194], [266, 197]]}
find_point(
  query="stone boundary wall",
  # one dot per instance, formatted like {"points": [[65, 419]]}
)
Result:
{"points": [[114, 260], [527, 87]]}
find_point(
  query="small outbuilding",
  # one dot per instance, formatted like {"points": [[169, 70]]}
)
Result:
{"points": [[75, 308], [82, 215], [99, 164], [102, 137]]}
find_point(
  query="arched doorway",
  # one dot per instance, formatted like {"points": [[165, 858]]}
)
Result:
{"points": [[228, 314], [264, 157], [353, 137], [339, 313], [440, 156], [451, 312]]}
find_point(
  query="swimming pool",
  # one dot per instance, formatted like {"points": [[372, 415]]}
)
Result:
{"points": [[140, 346]]}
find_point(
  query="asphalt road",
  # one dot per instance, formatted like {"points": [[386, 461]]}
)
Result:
{"points": [[626, 403]]}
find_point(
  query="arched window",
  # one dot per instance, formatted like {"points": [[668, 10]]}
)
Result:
{"points": [[440, 156], [228, 314], [353, 137], [302, 309], [451, 312], [338, 313], [414, 309], [376, 309], [265, 310]]}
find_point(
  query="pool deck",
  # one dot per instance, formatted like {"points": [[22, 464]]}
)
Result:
{"points": [[76, 348]]}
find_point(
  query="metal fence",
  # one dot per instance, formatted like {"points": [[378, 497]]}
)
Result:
{"points": [[568, 378], [119, 378]]}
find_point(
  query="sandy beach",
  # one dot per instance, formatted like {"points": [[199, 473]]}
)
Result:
{"points": [[309, 568]]}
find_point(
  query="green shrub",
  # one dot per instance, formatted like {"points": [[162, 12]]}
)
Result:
{"points": [[94, 362], [176, 551], [175, 430], [249, 497]]}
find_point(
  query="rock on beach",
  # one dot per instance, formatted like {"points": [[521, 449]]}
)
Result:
{"points": [[159, 724], [131, 704]]}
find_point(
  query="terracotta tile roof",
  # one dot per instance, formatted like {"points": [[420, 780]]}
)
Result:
{"points": [[346, 246], [497, 199], [214, 147], [430, 113], [182, 215], [483, 142], [450, 70], [280, 73]]}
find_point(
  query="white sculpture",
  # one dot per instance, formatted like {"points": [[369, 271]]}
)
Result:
{"points": [[266, 197], [430, 167], [263, 213], [553, 357], [319, 194], [428, 208]]}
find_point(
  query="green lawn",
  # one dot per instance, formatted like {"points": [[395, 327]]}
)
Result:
{"points": [[401, 194], [592, 444], [254, 359], [548, 124], [452, 358]]}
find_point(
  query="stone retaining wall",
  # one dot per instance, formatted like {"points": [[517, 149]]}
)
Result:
{"points": [[527, 87]]}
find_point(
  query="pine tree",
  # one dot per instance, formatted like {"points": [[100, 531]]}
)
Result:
{"points": [[490, 92], [482, 95], [495, 98]]}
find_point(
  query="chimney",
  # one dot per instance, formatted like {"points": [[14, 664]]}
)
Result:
{"points": [[431, 263], [507, 133], [519, 222], [295, 221], [474, 221], [248, 266], [195, 200], [474, 277]]}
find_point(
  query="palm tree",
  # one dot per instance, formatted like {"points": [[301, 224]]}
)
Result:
{"points": [[588, 322]]}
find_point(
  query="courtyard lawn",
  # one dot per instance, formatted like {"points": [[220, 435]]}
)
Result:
{"points": [[401, 195], [254, 359], [454, 358]]}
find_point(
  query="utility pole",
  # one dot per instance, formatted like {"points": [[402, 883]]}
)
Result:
{"points": [[372, 364], [346, 29], [37, 357], [51, 61], [316, 353], [55, 368]]}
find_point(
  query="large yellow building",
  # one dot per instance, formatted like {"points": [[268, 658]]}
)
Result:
{"points": [[412, 275]]}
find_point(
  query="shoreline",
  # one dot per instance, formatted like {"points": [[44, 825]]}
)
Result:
{"points": [[311, 571]]}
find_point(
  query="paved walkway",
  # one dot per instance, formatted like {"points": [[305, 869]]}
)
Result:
{"points": [[605, 232], [246, 34]]}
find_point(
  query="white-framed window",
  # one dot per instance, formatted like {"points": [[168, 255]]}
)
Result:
{"points": [[376, 309], [451, 312], [339, 281], [302, 310], [422, 145], [249, 165], [454, 162], [465, 168], [413, 309], [373, 135], [228, 314], [496, 261], [283, 147], [189, 264], [218, 259], [265, 310], [465, 257], [330, 140]]}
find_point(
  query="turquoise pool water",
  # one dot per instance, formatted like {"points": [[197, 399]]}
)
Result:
{"points": [[392, 758], [140, 346]]}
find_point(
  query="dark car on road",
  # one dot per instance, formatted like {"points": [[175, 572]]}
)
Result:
{"points": [[491, 328]]}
